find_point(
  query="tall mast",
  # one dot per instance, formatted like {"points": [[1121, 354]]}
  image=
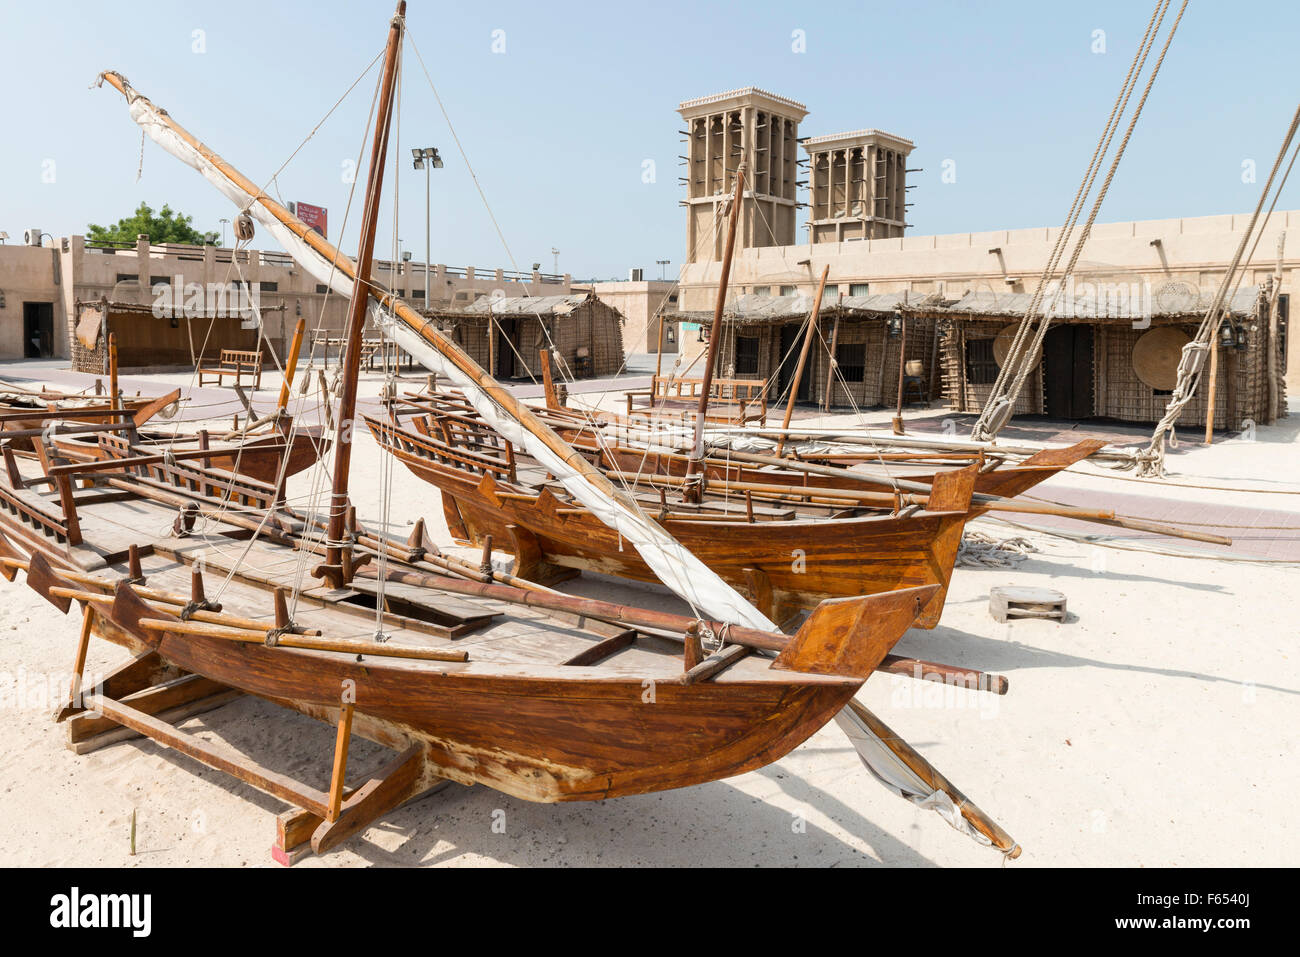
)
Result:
{"points": [[715, 333], [332, 570], [672, 564]]}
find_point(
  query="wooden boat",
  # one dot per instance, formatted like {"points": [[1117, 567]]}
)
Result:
{"points": [[256, 451], [26, 410], [259, 455], [540, 704], [478, 678], [787, 558]]}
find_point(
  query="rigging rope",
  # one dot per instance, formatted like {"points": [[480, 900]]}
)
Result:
{"points": [[1151, 460], [1023, 357]]}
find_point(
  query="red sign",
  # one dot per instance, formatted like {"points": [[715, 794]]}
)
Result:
{"points": [[313, 216]]}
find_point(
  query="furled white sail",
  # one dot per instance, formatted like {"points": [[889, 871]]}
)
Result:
{"points": [[674, 565]]}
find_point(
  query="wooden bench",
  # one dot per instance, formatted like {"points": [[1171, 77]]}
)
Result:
{"points": [[733, 401], [237, 363]]}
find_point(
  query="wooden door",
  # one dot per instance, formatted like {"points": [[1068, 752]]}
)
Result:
{"points": [[1067, 372], [790, 345]]}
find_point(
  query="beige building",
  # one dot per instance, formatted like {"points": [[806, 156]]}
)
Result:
{"points": [[641, 302], [855, 190], [760, 129], [1151, 258], [857, 186], [39, 286], [32, 321]]}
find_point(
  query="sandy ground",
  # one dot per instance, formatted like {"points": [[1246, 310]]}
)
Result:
{"points": [[1158, 726]]}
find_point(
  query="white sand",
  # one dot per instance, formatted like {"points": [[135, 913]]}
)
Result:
{"points": [[1157, 727]]}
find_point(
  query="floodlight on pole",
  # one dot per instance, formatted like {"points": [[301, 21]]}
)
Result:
{"points": [[426, 158]]}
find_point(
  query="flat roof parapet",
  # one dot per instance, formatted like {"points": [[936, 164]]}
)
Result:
{"points": [[857, 137], [747, 92]]}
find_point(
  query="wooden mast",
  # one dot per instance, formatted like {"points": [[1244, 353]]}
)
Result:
{"points": [[419, 325], [803, 359], [715, 334], [332, 570]]}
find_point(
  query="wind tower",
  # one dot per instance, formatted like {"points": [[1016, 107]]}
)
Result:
{"points": [[755, 126], [858, 186]]}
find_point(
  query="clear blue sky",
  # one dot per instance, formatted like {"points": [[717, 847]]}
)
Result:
{"points": [[559, 125]]}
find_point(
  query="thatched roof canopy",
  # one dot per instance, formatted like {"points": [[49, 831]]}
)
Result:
{"points": [[777, 310], [544, 307], [1097, 303]]}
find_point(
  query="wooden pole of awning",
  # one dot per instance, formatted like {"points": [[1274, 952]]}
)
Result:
{"points": [[803, 359], [831, 365], [113, 399], [332, 569], [1214, 385], [715, 333], [659, 354], [902, 363]]}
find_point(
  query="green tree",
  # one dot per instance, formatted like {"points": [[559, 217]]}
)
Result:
{"points": [[163, 227]]}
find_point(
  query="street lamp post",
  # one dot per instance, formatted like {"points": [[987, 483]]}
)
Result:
{"points": [[223, 232], [426, 159], [661, 263]]}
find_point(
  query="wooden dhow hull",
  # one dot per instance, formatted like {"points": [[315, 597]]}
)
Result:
{"points": [[783, 565], [258, 456], [514, 716]]}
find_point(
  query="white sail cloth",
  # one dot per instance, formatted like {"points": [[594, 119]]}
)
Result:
{"points": [[674, 565], [887, 768]]}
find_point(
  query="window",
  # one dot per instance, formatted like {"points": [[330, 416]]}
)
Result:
{"points": [[789, 290], [860, 289], [762, 290], [981, 367], [417, 294], [127, 277], [159, 281], [268, 286], [321, 288], [746, 355], [851, 358]]}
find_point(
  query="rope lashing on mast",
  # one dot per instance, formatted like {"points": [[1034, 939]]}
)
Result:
{"points": [[1027, 344], [1151, 460]]}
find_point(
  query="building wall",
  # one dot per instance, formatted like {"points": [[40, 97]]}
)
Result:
{"points": [[129, 274], [1192, 250], [640, 304], [29, 274], [879, 382], [1118, 393], [593, 325]]}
